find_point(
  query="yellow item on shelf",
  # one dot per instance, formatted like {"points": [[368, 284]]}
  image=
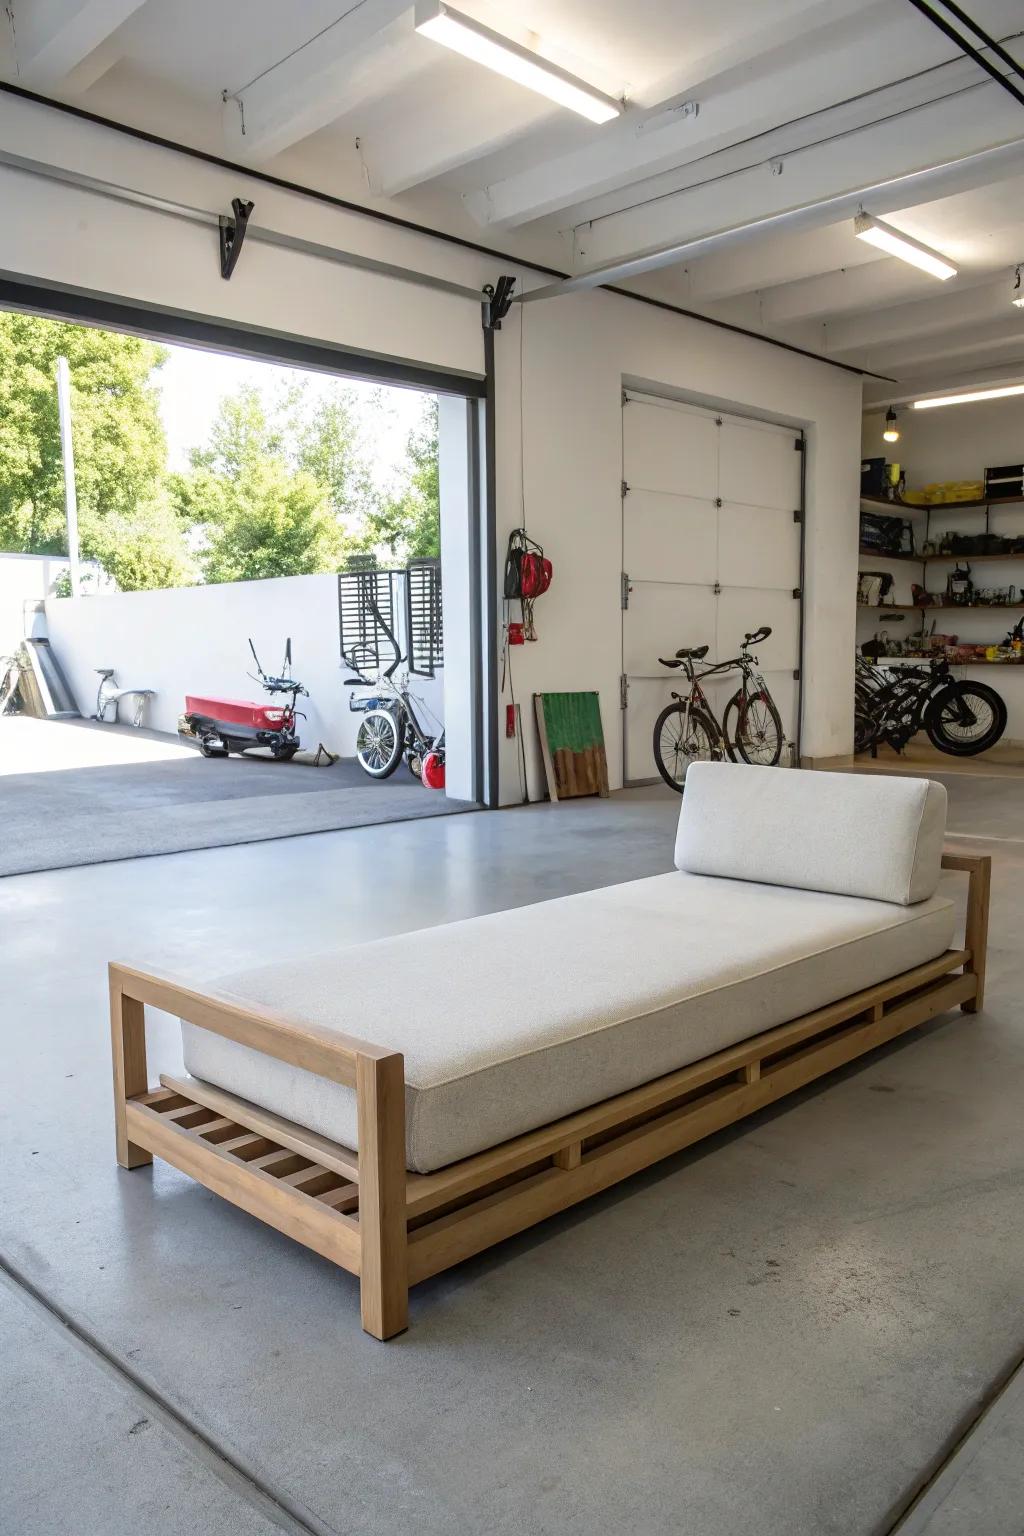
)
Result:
{"points": [[946, 490]]}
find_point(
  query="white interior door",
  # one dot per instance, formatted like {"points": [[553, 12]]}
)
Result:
{"points": [[759, 551], [669, 558], [711, 551]]}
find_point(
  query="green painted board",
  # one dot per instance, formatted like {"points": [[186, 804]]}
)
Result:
{"points": [[572, 744]]}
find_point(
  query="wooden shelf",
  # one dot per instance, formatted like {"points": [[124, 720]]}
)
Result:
{"points": [[878, 554], [943, 506], [917, 661], [940, 607]]}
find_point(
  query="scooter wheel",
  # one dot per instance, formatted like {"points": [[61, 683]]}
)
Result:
{"points": [[210, 751]]}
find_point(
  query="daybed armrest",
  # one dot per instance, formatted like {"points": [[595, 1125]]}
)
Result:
{"points": [[376, 1074], [978, 867]]}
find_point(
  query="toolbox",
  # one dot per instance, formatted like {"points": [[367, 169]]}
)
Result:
{"points": [[1005, 480]]}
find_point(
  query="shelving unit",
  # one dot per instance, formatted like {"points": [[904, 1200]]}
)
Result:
{"points": [[942, 506], [942, 607]]}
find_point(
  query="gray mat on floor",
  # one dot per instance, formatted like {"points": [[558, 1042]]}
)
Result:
{"points": [[44, 828]]}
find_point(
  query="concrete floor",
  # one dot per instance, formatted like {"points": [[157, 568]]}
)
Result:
{"points": [[784, 1330], [77, 792]]}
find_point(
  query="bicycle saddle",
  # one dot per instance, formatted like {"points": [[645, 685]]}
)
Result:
{"points": [[698, 652]]}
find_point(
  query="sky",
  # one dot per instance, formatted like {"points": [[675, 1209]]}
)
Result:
{"points": [[193, 382]]}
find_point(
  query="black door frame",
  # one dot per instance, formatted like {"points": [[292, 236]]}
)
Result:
{"points": [[82, 306]]}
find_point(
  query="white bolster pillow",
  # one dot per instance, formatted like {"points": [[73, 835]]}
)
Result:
{"points": [[850, 834]]}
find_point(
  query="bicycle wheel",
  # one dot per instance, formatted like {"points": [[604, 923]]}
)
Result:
{"points": [[966, 720], [865, 730], [730, 724], [680, 741], [378, 744], [759, 733]]}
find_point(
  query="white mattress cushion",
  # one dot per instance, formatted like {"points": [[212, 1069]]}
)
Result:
{"points": [[849, 833], [514, 1019]]}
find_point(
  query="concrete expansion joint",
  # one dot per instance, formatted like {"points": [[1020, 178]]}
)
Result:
{"points": [[228, 1464]]}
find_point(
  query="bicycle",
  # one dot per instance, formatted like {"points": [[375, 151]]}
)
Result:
{"points": [[686, 730], [391, 728], [961, 718]]}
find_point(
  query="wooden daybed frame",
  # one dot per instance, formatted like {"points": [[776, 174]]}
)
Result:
{"points": [[393, 1228]]}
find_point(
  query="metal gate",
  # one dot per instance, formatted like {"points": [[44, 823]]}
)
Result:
{"points": [[712, 523]]}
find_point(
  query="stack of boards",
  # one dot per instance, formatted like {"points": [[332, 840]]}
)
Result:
{"points": [[572, 743]]}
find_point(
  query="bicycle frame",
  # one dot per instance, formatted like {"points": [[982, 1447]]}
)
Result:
{"points": [[753, 684]]}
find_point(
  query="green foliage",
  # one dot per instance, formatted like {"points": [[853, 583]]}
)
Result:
{"points": [[279, 489], [407, 523], [120, 450], [255, 512]]}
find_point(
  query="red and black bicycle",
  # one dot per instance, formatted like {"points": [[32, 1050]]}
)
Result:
{"points": [[687, 730]]}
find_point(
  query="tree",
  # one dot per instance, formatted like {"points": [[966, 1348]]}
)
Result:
{"points": [[120, 449], [253, 512], [407, 522]]}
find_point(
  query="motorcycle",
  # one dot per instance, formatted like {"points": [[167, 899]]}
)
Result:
{"points": [[222, 726]]}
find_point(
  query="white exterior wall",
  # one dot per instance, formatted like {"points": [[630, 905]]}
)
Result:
{"points": [[24, 580], [959, 443], [578, 353], [196, 640]]}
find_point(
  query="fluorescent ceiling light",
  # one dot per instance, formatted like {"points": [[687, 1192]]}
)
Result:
{"points": [[890, 240], [976, 394], [507, 58]]}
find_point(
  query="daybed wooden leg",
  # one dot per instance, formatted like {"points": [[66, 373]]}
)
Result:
{"points": [[384, 1257], [128, 1049], [976, 935]]}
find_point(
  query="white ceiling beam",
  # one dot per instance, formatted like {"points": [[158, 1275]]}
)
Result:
{"points": [[996, 339], [362, 56], [53, 37], [952, 148], [786, 69], [985, 304], [470, 113]]}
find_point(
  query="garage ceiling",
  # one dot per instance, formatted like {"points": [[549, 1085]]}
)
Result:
{"points": [[729, 183]]}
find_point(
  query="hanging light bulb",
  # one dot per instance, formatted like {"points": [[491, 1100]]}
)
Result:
{"points": [[892, 431], [1017, 297]]}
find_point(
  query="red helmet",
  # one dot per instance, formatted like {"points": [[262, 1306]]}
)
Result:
{"points": [[433, 770]]}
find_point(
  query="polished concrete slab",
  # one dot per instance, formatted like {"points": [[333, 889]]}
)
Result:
{"points": [[82, 1452], [783, 1330]]}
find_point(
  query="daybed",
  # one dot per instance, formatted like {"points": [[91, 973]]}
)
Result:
{"points": [[529, 1058]]}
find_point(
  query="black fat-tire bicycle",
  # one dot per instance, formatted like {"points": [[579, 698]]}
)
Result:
{"points": [[686, 730], [960, 717]]}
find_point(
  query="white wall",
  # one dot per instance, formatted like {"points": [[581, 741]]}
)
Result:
{"points": [[578, 353], [24, 580], [957, 443], [195, 640]]}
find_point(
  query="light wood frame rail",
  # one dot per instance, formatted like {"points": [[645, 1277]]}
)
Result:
{"points": [[365, 1212]]}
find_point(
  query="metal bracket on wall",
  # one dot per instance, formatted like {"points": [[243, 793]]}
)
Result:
{"points": [[232, 234], [623, 691], [497, 301], [624, 594]]}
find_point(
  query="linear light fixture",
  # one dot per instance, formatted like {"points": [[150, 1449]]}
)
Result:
{"points": [[975, 394], [475, 41], [895, 243]]}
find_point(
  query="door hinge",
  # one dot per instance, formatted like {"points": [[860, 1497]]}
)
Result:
{"points": [[624, 491], [718, 501], [623, 691], [624, 593], [717, 589], [718, 421], [798, 516], [798, 591], [625, 398], [798, 444], [796, 674]]}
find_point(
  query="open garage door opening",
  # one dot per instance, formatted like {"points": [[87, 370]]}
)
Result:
{"points": [[223, 594]]}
